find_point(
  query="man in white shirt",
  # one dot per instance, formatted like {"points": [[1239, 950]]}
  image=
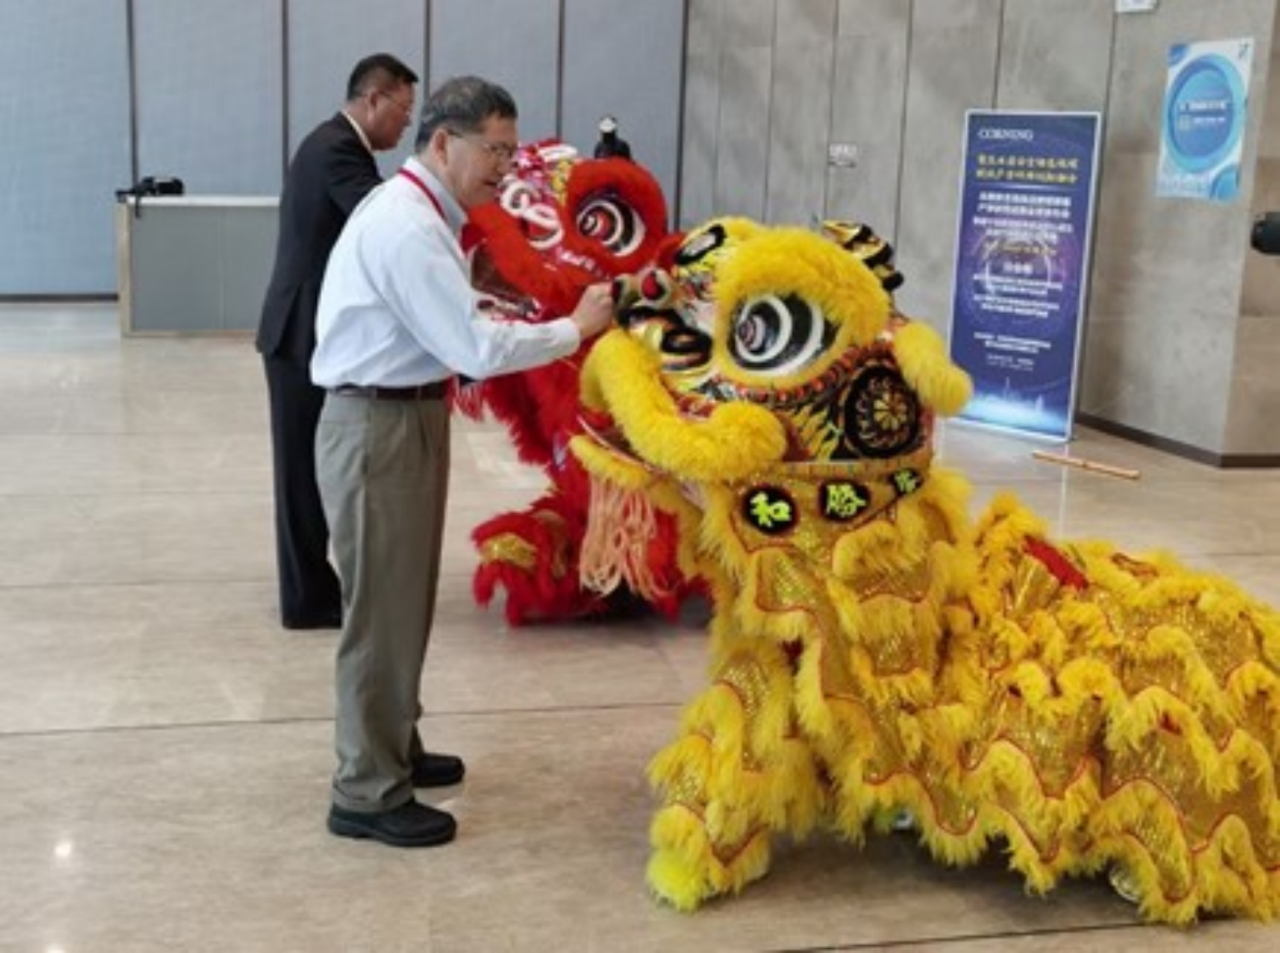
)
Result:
{"points": [[397, 318]]}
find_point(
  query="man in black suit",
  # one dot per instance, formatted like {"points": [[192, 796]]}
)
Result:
{"points": [[331, 172]]}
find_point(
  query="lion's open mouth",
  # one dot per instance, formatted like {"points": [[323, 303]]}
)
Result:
{"points": [[684, 348], [681, 347]]}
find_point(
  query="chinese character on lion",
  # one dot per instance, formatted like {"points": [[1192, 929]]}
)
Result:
{"points": [[879, 655], [560, 223]]}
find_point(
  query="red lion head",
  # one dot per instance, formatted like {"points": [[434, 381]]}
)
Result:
{"points": [[561, 222]]}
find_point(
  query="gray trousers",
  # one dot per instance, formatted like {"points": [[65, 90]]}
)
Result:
{"points": [[383, 470]]}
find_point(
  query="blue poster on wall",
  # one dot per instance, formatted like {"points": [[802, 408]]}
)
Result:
{"points": [[1022, 259], [1202, 126]]}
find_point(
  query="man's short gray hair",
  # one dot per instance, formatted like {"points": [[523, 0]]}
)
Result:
{"points": [[462, 104]]}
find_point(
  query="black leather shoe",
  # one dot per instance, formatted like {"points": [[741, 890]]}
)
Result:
{"points": [[409, 825], [329, 620], [437, 770]]}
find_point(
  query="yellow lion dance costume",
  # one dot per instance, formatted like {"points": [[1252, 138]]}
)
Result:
{"points": [[875, 651]]}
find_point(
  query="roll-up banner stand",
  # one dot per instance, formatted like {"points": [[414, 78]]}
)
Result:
{"points": [[1022, 261]]}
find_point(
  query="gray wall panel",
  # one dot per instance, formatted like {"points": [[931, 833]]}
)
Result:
{"points": [[954, 48], [1161, 343], [867, 102], [512, 42], [64, 103], [800, 111], [326, 40], [1255, 384], [746, 86], [699, 143], [1055, 55], [634, 76], [210, 93]]}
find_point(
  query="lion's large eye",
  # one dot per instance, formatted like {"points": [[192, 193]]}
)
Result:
{"points": [[779, 335], [613, 224], [537, 219]]}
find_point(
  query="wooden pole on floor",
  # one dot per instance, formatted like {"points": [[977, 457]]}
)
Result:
{"points": [[1091, 465]]}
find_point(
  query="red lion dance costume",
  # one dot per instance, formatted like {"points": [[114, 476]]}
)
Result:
{"points": [[560, 223]]}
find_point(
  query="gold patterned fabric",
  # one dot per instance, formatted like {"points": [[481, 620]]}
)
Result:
{"points": [[874, 650]]}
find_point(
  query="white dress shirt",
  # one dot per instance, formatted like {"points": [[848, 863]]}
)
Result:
{"points": [[364, 137], [397, 308]]}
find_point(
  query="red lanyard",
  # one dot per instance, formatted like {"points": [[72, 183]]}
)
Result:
{"points": [[422, 186], [467, 240]]}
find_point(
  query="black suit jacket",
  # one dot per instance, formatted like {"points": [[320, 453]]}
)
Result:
{"points": [[330, 173]]}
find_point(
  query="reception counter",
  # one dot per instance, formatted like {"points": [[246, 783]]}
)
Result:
{"points": [[194, 264]]}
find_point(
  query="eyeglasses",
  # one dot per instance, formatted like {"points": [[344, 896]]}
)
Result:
{"points": [[407, 108], [500, 151]]}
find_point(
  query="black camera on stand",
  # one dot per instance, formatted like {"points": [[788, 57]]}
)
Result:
{"points": [[149, 187], [1265, 236]]}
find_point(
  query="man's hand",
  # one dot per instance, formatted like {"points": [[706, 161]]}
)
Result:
{"points": [[594, 312]]}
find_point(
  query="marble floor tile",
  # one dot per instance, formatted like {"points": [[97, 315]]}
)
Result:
{"points": [[212, 838], [165, 747]]}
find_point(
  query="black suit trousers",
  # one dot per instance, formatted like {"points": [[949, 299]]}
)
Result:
{"points": [[309, 587]]}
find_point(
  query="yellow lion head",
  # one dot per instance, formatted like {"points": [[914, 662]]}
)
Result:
{"points": [[754, 351]]}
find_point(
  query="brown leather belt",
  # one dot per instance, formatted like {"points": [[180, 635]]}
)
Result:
{"points": [[433, 391]]}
